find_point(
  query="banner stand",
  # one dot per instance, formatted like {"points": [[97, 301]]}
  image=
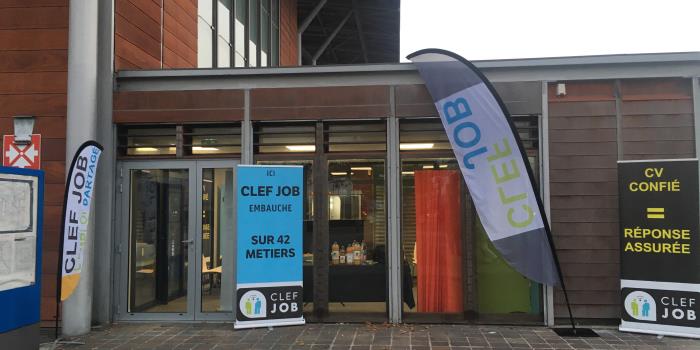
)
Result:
{"points": [[495, 168], [269, 253], [77, 201], [659, 247]]}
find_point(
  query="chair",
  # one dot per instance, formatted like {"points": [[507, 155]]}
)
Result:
{"points": [[212, 273]]}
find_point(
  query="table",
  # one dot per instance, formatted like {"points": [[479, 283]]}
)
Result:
{"points": [[358, 283]]}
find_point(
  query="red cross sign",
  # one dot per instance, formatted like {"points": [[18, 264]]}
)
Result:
{"points": [[21, 155]]}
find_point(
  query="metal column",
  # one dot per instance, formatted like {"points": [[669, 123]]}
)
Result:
{"points": [[104, 191], [393, 178], [548, 294], [246, 131], [81, 125]]}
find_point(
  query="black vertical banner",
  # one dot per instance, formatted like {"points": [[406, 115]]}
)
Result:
{"points": [[659, 246]]}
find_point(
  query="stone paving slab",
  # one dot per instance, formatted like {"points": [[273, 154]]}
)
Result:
{"points": [[360, 337]]}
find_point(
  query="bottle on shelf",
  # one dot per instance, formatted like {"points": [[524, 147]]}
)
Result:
{"points": [[349, 254], [363, 248], [342, 257], [357, 250], [335, 253]]}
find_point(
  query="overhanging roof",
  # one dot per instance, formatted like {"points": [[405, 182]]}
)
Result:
{"points": [[369, 35], [684, 64]]}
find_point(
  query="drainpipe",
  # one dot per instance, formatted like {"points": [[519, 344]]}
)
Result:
{"points": [[81, 125]]}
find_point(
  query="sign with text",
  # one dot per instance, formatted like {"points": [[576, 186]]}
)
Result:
{"points": [[269, 283], [659, 246], [21, 221]]}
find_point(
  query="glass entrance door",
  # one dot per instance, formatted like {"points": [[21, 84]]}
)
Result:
{"points": [[175, 243], [215, 240]]}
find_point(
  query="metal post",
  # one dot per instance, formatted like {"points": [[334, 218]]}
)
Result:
{"points": [[618, 119], [81, 125], [246, 131], [393, 178], [102, 312], [548, 294]]}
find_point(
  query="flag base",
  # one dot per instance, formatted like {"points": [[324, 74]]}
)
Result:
{"points": [[575, 332]]}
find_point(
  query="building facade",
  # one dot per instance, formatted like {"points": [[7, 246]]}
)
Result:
{"points": [[188, 89]]}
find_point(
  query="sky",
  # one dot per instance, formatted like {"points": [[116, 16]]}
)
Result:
{"points": [[501, 29]]}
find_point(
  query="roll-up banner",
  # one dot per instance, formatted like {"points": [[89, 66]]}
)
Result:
{"points": [[80, 185], [492, 161], [269, 284], [659, 247]]}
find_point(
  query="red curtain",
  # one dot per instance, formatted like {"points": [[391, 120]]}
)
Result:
{"points": [[438, 241]]}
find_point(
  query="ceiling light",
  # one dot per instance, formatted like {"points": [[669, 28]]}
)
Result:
{"points": [[338, 173], [146, 149], [428, 167], [365, 168], [301, 148], [415, 146], [407, 173], [198, 148], [443, 166]]}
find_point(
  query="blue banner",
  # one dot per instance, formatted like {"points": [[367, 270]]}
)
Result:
{"points": [[269, 272]]}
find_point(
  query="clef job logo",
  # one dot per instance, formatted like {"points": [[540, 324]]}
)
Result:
{"points": [[641, 306], [253, 304]]}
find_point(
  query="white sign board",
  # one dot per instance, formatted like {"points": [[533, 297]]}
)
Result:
{"points": [[18, 230]]}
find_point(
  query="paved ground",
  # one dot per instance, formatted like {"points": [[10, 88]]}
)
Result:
{"points": [[362, 337]]}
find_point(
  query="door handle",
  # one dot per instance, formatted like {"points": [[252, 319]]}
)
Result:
{"points": [[189, 241]]}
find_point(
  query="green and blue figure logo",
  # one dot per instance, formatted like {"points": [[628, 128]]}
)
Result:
{"points": [[641, 306], [253, 304]]}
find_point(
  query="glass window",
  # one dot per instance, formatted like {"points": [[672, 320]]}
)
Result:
{"points": [[357, 279], [274, 45], [356, 137], [147, 140], [217, 240], [265, 32], [253, 32], [157, 230], [205, 34], [285, 138], [224, 139], [433, 236], [423, 135], [239, 32], [458, 273], [223, 30]]}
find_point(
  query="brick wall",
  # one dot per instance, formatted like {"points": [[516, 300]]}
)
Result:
{"points": [[33, 81]]}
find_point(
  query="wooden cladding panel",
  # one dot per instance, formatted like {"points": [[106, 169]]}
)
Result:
{"points": [[34, 17], [33, 81], [178, 106], [586, 91], [656, 89], [657, 122], [33, 61], [320, 103], [180, 34], [288, 33], [583, 193], [148, 35], [657, 119], [137, 34], [414, 101]]}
